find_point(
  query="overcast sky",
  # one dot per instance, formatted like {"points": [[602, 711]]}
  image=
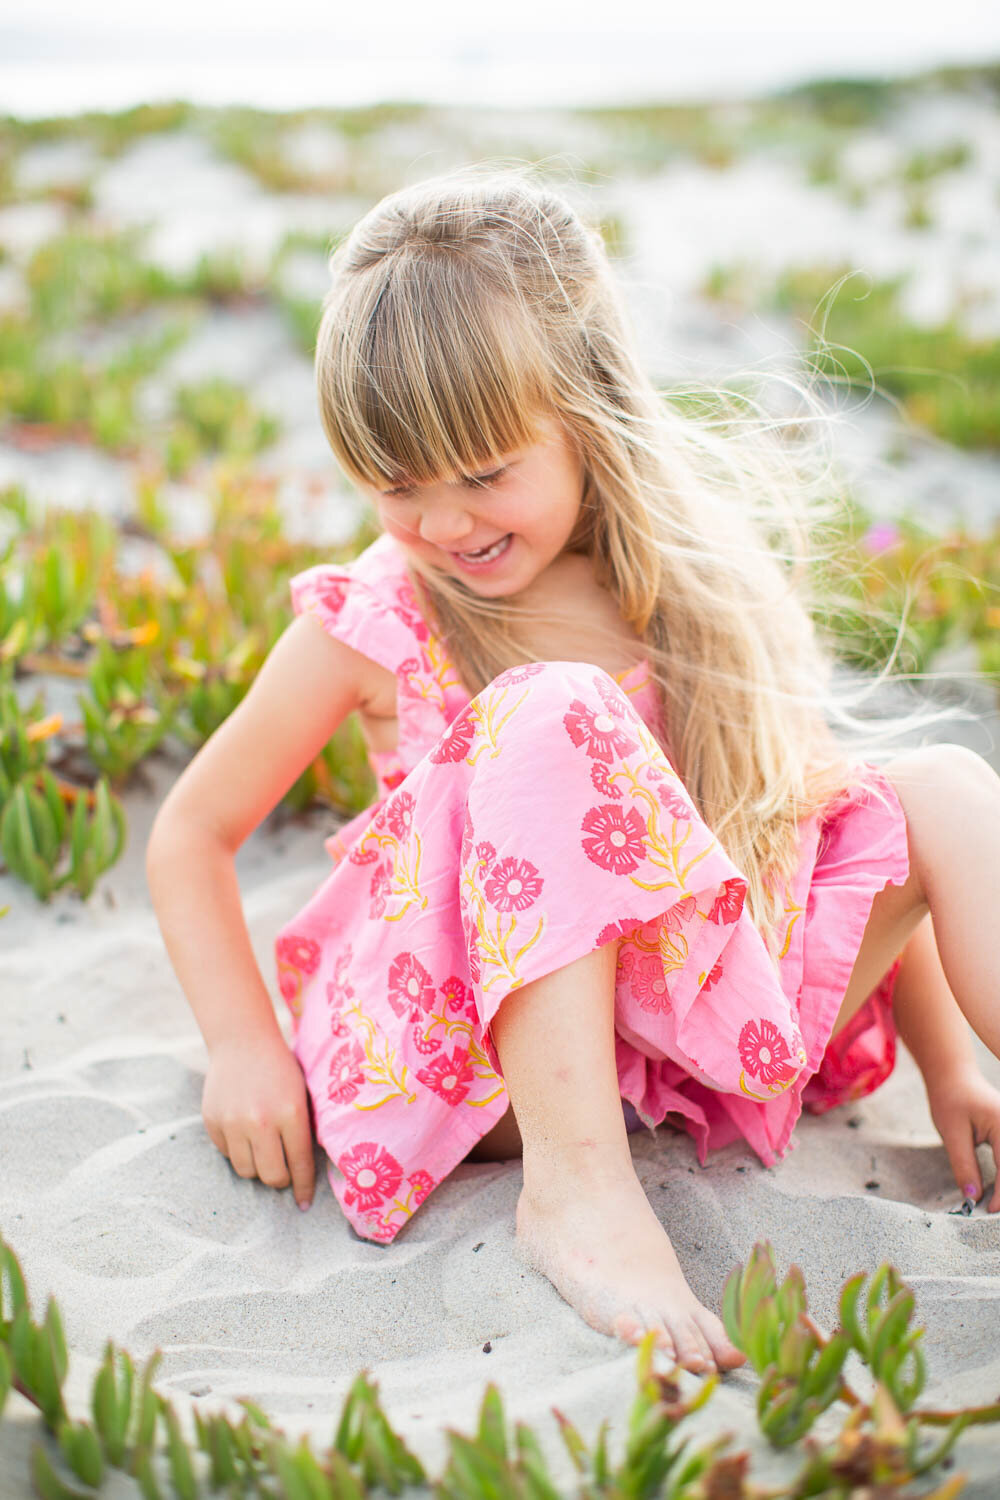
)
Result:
{"points": [[218, 49], [970, 24]]}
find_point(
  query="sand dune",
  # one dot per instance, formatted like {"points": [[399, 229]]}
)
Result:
{"points": [[118, 1203]]}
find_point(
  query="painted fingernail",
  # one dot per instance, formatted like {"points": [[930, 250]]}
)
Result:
{"points": [[971, 1191], [304, 1204]]}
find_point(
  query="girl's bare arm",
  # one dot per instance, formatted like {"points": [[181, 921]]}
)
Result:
{"points": [[255, 1105]]}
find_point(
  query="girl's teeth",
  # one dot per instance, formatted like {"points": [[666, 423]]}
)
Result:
{"points": [[485, 556]]}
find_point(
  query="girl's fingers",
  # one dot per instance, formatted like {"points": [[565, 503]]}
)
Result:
{"points": [[960, 1144], [240, 1153], [270, 1159], [993, 1137], [298, 1144]]}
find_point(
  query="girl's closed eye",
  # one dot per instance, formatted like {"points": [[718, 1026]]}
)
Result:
{"points": [[484, 481], [474, 481]]}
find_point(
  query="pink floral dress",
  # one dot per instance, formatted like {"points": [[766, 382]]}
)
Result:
{"points": [[514, 833]]}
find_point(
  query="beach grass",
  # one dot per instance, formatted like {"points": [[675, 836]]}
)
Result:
{"points": [[855, 331], [882, 1442]]}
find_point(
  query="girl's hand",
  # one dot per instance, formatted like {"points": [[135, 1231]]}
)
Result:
{"points": [[966, 1110], [256, 1111]]}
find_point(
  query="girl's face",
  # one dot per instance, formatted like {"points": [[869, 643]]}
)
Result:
{"points": [[516, 513]]}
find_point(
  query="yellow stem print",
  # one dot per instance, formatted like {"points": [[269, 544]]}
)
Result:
{"points": [[443, 674], [531, 941], [673, 955], [773, 1089], [478, 1103], [485, 711], [403, 883], [380, 1070], [477, 1056], [498, 952], [793, 911], [658, 846], [438, 1018]]}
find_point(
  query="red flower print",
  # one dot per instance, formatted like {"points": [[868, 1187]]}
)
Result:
{"points": [[485, 853], [475, 970], [602, 781], [338, 1027], [449, 1077], [379, 890], [598, 733], [421, 1182], [458, 996], [410, 986], [649, 983], [424, 1042], [513, 885], [727, 907], [363, 854], [674, 919], [300, 952], [332, 595], [456, 741], [468, 834], [379, 1229], [346, 1076], [677, 805], [399, 814], [614, 700], [339, 991], [765, 1053], [408, 611], [653, 773], [373, 1173], [714, 975], [616, 838], [514, 675], [289, 985], [392, 779], [617, 930]]}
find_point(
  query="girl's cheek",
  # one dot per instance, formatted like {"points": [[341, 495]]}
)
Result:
{"points": [[394, 527]]}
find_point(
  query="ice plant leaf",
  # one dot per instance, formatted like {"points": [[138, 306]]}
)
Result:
{"points": [[82, 1451], [47, 1482], [178, 1457], [492, 1427], [849, 1295]]}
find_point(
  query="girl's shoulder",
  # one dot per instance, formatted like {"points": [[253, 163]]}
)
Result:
{"points": [[368, 602]]}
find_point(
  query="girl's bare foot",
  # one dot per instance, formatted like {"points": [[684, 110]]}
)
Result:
{"points": [[606, 1253]]}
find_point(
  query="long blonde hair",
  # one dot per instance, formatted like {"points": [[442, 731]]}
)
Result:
{"points": [[465, 309]]}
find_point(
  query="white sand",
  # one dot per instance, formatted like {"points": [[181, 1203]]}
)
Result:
{"points": [[117, 1202]]}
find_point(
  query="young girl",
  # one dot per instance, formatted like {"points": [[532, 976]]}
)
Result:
{"points": [[619, 871]]}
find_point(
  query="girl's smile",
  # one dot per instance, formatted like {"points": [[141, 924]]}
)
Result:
{"points": [[500, 528]]}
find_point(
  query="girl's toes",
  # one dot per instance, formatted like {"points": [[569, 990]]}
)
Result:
{"points": [[724, 1353], [692, 1356], [628, 1328]]}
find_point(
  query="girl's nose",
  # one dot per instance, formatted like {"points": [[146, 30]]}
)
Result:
{"points": [[443, 529]]}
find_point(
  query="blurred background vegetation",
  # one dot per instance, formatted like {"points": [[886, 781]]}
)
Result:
{"points": [[162, 468]]}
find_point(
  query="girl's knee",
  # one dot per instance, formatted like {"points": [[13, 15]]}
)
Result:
{"points": [[940, 774], [570, 679]]}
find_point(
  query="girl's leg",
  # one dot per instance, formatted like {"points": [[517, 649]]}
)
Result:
{"points": [[951, 798], [583, 1218]]}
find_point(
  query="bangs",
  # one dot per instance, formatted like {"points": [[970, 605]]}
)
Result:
{"points": [[428, 375]]}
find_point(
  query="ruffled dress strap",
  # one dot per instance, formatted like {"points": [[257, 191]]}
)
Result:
{"points": [[370, 604]]}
